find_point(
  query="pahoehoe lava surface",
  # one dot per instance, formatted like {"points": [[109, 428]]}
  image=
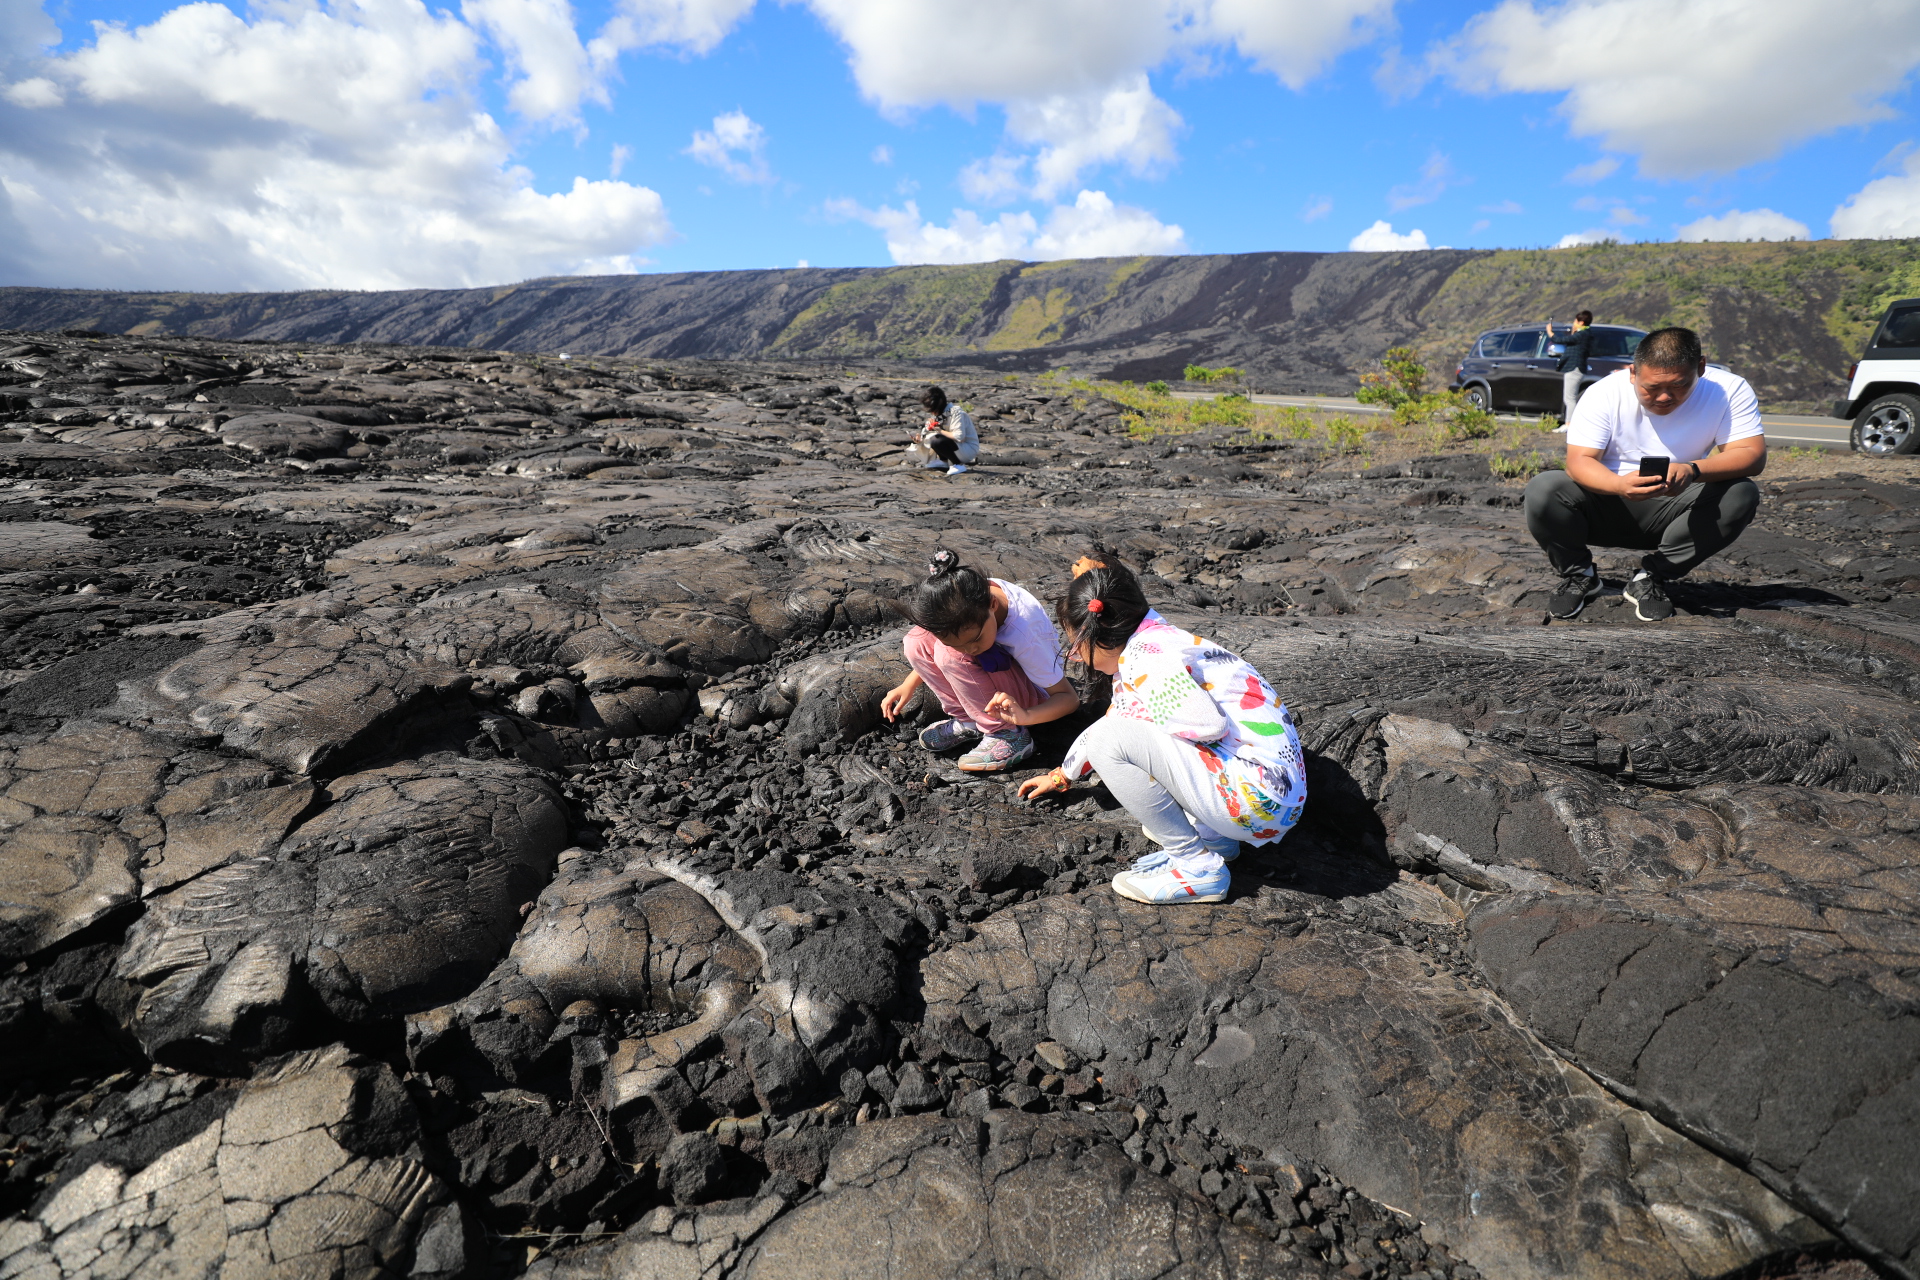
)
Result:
{"points": [[448, 831]]}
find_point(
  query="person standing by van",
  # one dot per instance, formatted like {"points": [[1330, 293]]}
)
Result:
{"points": [[1573, 361]]}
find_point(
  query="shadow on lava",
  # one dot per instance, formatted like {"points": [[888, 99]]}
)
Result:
{"points": [[1723, 600], [1338, 850]]}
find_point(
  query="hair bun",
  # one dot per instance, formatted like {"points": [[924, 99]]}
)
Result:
{"points": [[943, 563]]}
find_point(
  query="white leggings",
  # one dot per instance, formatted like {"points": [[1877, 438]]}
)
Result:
{"points": [[1163, 782]]}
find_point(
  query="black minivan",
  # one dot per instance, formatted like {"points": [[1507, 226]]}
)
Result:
{"points": [[1514, 368]]}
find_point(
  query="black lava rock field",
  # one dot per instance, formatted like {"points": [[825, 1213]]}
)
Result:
{"points": [[447, 830]]}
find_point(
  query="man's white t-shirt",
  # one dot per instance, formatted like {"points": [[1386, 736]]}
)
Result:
{"points": [[1029, 636], [1610, 418]]}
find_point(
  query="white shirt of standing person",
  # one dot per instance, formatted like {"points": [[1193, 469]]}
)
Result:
{"points": [[1720, 409]]}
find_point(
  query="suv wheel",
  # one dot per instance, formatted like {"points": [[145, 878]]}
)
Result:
{"points": [[1890, 424], [1478, 398]]}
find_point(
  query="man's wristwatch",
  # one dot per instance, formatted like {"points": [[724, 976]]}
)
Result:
{"points": [[1696, 471]]}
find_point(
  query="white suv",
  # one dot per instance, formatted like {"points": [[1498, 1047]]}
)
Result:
{"points": [[1884, 398]]}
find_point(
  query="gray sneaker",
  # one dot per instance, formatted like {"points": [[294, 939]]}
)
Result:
{"points": [[998, 751], [948, 735], [1649, 596], [1571, 593]]}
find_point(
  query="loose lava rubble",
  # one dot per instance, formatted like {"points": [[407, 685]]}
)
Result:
{"points": [[449, 832]]}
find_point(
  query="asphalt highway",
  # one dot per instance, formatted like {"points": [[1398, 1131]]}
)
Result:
{"points": [[1782, 429]]}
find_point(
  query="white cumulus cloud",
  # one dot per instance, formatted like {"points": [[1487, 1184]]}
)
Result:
{"points": [[1884, 209], [555, 69], [1075, 132], [1093, 226], [965, 238], [995, 179], [25, 29], [1695, 86], [317, 145], [1072, 74], [1593, 235], [736, 146], [1381, 238], [1295, 39], [1744, 224], [693, 25], [961, 52]]}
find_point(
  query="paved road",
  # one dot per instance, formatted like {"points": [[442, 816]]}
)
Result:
{"points": [[1782, 429]]}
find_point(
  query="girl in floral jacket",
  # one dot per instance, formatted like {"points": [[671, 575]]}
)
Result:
{"points": [[1196, 745]]}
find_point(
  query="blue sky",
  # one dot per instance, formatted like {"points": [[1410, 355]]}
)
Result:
{"points": [[387, 143]]}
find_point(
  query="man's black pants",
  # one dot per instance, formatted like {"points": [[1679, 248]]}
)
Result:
{"points": [[1680, 531]]}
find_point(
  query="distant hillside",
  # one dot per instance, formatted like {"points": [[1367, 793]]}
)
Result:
{"points": [[1788, 316]]}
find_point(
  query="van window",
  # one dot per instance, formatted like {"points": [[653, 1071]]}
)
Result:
{"points": [[1523, 343], [1902, 329]]}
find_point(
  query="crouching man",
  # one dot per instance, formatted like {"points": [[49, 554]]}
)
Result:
{"points": [[1668, 405]]}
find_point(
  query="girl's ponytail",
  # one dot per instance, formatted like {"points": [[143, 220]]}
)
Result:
{"points": [[1103, 606], [953, 598]]}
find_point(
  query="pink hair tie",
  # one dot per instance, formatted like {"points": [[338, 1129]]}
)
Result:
{"points": [[1095, 605]]}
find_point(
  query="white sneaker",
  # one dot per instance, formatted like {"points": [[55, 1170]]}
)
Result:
{"points": [[1167, 884], [957, 469]]}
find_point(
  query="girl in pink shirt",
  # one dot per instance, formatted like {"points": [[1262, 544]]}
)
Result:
{"points": [[989, 652]]}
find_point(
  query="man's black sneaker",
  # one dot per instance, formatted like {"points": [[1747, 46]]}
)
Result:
{"points": [[1649, 596], [1575, 588]]}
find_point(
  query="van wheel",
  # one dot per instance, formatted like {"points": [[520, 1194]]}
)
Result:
{"points": [[1890, 424], [1478, 397]]}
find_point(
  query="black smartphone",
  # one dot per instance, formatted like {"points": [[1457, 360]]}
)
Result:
{"points": [[1655, 466]]}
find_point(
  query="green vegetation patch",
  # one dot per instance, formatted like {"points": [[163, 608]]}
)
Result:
{"points": [[901, 311], [1031, 322]]}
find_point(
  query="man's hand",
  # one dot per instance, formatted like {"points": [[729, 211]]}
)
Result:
{"points": [[1679, 476], [1003, 708], [1638, 488], [1053, 780], [1678, 479], [895, 699]]}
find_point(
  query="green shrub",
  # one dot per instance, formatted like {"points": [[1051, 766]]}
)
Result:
{"points": [[1399, 379], [1525, 468], [1346, 433], [1158, 388], [1447, 415], [1295, 422], [1200, 373], [1227, 411]]}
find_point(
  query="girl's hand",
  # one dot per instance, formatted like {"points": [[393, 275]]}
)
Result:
{"points": [[1054, 780], [895, 699], [1003, 708]]}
